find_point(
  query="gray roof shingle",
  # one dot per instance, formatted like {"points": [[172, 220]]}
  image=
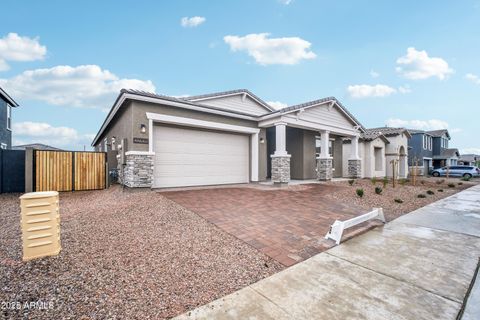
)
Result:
{"points": [[223, 93]]}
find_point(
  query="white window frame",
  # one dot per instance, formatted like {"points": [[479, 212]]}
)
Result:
{"points": [[113, 143], [430, 143], [9, 117], [3, 146], [105, 144]]}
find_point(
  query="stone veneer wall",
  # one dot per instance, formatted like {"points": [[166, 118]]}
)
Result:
{"points": [[138, 171], [354, 168], [280, 169], [324, 169]]}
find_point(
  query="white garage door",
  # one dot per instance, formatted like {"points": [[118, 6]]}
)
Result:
{"points": [[191, 157]]}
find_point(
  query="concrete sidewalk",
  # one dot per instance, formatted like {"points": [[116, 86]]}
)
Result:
{"points": [[419, 266]]}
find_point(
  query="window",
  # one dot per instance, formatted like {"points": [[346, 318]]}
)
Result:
{"points": [[9, 117], [430, 143], [424, 142], [378, 154], [3, 146], [105, 144], [113, 143]]}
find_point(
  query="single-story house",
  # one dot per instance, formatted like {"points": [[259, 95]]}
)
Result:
{"points": [[226, 138], [469, 159], [36, 146], [379, 148]]}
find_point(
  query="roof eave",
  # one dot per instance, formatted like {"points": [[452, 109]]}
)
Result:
{"points": [[9, 99]]}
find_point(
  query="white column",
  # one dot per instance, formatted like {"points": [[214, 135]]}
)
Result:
{"points": [[254, 156], [324, 141], [150, 135], [354, 155], [280, 139]]}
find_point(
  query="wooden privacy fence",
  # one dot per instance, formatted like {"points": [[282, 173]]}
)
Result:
{"points": [[69, 170]]}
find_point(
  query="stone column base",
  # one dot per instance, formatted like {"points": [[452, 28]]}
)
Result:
{"points": [[281, 169], [138, 170], [324, 169], [355, 168]]}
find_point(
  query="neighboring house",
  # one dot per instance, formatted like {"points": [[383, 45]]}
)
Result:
{"points": [[430, 149], [36, 146], [382, 147], [227, 137], [469, 159], [6, 105]]}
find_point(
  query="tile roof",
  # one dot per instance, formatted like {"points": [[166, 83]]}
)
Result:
{"points": [[36, 146], [447, 153], [438, 133], [388, 131]]}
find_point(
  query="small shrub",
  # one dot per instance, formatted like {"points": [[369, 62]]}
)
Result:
{"points": [[430, 192], [385, 182], [460, 183], [351, 182], [451, 185], [466, 178], [440, 181], [403, 181], [421, 195], [378, 190], [397, 200], [440, 190], [374, 180], [360, 192], [422, 182]]}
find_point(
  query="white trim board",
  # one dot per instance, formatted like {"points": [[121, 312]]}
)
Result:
{"points": [[186, 105], [266, 106], [195, 123]]}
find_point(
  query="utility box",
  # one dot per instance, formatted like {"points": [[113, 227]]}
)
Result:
{"points": [[40, 220]]}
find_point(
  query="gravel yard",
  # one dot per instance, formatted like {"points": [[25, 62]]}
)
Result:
{"points": [[125, 255], [407, 193]]}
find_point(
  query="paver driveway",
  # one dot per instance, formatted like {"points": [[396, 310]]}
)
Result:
{"points": [[288, 225]]}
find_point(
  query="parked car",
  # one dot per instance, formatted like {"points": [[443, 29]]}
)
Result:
{"points": [[457, 171]]}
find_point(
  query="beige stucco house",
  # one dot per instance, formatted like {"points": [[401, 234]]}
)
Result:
{"points": [[226, 138]]}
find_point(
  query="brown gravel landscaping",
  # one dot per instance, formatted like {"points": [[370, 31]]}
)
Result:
{"points": [[125, 255], [408, 193]]}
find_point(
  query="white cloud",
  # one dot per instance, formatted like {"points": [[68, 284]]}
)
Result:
{"points": [[359, 91], [267, 51], [187, 22], [277, 104], [81, 86], [40, 132], [473, 77], [432, 124], [16, 48], [285, 2], [470, 151], [418, 65], [374, 74]]}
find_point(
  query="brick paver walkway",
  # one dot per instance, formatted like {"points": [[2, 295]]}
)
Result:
{"points": [[288, 225]]}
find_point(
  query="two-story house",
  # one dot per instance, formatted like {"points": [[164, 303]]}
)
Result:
{"points": [[430, 149], [6, 105]]}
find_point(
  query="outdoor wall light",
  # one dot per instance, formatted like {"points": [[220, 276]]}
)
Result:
{"points": [[143, 128], [262, 140]]}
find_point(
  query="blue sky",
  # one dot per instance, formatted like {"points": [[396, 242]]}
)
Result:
{"points": [[408, 63]]}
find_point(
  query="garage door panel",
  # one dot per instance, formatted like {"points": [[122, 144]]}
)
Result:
{"points": [[190, 157]]}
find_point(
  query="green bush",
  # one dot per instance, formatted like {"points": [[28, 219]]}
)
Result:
{"points": [[421, 195], [360, 192], [466, 178], [451, 185], [440, 190], [397, 200], [374, 180], [385, 182], [351, 182], [403, 181], [378, 190], [430, 192]]}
